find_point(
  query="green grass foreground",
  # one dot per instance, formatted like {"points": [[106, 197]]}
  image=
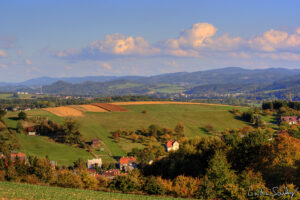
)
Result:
{"points": [[12, 190]]}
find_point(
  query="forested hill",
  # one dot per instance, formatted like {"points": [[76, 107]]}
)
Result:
{"points": [[233, 80]]}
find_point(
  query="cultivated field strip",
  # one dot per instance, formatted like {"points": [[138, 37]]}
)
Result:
{"points": [[110, 107], [88, 108], [64, 111]]}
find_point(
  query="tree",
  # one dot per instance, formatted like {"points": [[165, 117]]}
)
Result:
{"points": [[22, 115], [219, 178], [152, 186], [2, 113], [69, 132], [179, 130]]}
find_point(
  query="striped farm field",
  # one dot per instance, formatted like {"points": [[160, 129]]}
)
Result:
{"points": [[110, 107], [88, 108], [64, 111]]}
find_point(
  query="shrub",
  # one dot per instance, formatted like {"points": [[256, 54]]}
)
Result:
{"points": [[152, 186]]}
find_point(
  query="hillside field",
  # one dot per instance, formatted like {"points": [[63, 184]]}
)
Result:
{"points": [[194, 117], [10, 190]]}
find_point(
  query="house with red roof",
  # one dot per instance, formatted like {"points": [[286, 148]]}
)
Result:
{"points": [[30, 131], [171, 145], [21, 156], [111, 173], [290, 119], [127, 163]]}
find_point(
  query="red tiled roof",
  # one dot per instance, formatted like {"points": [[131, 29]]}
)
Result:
{"points": [[30, 129], [126, 160], [112, 172], [290, 118], [18, 154], [170, 143]]}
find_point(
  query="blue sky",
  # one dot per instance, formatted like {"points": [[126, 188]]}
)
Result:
{"points": [[84, 38]]}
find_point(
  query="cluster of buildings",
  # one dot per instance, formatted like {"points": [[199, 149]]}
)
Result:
{"points": [[291, 120], [125, 164]]}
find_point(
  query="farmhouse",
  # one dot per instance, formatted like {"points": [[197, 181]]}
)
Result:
{"points": [[290, 119], [95, 143], [128, 163], [91, 164], [21, 156], [30, 131], [172, 145], [111, 173]]}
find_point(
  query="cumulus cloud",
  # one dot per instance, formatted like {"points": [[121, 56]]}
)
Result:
{"points": [[3, 53], [106, 65], [276, 40], [200, 40], [113, 45], [28, 62]]}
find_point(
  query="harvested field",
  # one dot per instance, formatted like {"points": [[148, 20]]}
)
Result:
{"points": [[110, 107], [64, 111], [88, 108]]}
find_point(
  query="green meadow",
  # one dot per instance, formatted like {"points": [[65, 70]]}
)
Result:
{"points": [[10, 190], [100, 125]]}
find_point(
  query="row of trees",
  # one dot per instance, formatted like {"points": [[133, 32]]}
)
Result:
{"points": [[277, 104], [153, 133]]}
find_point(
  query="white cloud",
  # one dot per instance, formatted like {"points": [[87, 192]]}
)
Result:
{"points": [[28, 62], [106, 65], [275, 40], [199, 41], [3, 53], [113, 45], [195, 41]]}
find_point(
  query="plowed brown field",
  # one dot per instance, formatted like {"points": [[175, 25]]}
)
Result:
{"points": [[110, 107], [64, 111], [88, 108]]}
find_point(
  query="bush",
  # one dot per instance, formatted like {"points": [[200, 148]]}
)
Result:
{"points": [[124, 184], [22, 115], [152, 186], [66, 178]]}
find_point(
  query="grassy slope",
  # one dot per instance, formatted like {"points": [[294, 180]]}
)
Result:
{"points": [[11, 190], [99, 125], [194, 117], [62, 153], [41, 147]]}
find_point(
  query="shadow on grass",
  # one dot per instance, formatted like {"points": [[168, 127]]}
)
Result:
{"points": [[205, 131], [14, 118]]}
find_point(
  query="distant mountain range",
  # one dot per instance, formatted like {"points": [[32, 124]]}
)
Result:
{"points": [[201, 83]]}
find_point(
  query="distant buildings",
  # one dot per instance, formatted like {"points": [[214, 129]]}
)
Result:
{"points": [[95, 143], [171, 145]]}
